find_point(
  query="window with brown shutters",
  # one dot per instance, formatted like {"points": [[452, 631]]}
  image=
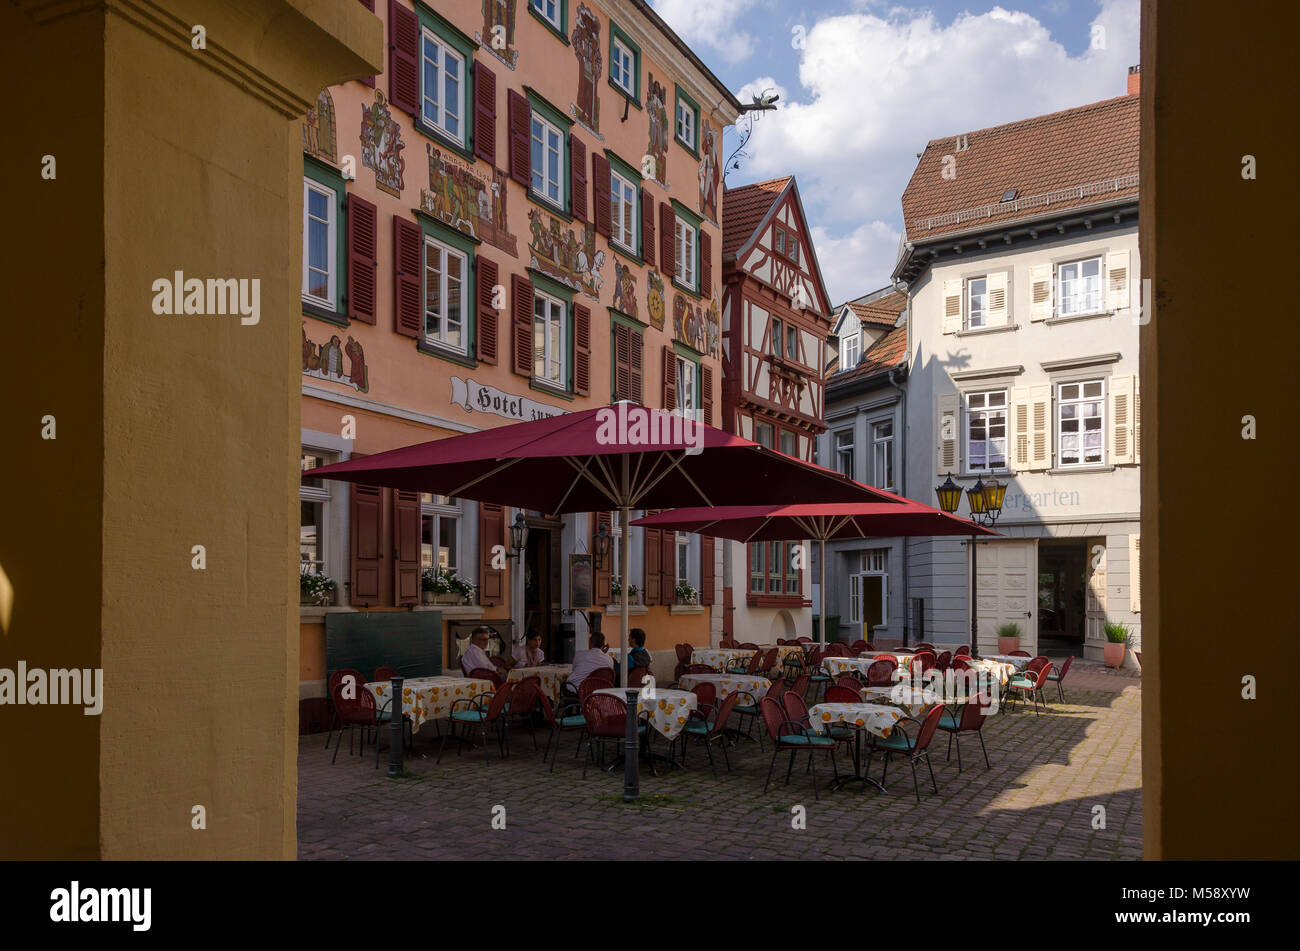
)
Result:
{"points": [[578, 178], [669, 391], [667, 221], [601, 211], [520, 116], [491, 532], [647, 227], [601, 590], [653, 561], [635, 393], [365, 540], [521, 320], [581, 350], [406, 547], [486, 276], [363, 238], [706, 393], [485, 113], [403, 58], [408, 241], [706, 264], [627, 357], [706, 569]]}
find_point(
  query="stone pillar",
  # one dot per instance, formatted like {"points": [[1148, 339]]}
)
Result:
{"points": [[170, 154]]}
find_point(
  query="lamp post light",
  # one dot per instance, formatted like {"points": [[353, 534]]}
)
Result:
{"points": [[985, 501], [600, 546], [518, 536]]}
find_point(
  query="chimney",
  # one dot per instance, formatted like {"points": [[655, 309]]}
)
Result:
{"points": [[1134, 79]]}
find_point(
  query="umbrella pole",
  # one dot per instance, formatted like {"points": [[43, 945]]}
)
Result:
{"points": [[631, 757], [822, 632]]}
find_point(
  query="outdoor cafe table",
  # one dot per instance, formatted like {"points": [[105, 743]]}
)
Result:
{"points": [[836, 666], [998, 670], [877, 718], [430, 698], [727, 684], [667, 711], [720, 658], [552, 677], [910, 700], [1019, 662]]}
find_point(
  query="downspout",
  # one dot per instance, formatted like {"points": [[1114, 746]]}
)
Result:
{"points": [[901, 288]]}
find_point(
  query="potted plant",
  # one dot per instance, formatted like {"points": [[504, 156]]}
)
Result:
{"points": [[616, 592], [1116, 641], [686, 593], [441, 586], [315, 588], [1008, 638]]}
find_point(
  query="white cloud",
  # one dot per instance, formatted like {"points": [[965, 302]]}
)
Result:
{"points": [[716, 24], [876, 88], [858, 262]]}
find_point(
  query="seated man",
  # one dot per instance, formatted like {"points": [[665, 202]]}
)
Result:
{"points": [[476, 654], [595, 657], [529, 653]]}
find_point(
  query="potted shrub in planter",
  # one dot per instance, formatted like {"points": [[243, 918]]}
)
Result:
{"points": [[1008, 638], [616, 592], [315, 589], [441, 586], [1116, 641], [686, 593]]}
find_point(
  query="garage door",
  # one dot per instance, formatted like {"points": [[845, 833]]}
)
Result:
{"points": [[1007, 592]]}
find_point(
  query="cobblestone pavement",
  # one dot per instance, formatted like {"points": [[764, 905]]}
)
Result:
{"points": [[1037, 802]]}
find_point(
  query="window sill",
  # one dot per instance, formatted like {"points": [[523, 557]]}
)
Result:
{"points": [[633, 610], [631, 99], [338, 318], [1068, 318], [549, 389], [435, 134], [548, 205], [977, 331], [685, 289], [686, 609], [777, 601], [551, 27], [1067, 470], [308, 612], [630, 256], [451, 356], [689, 148]]}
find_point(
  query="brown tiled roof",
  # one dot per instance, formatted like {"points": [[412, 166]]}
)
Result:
{"points": [[743, 208], [889, 351], [882, 312], [1042, 158]]}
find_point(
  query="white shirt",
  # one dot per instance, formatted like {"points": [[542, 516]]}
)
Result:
{"points": [[473, 658], [521, 653], [585, 662]]}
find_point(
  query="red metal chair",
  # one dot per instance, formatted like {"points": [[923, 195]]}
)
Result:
{"points": [[971, 720], [959, 662], [500, 664], [524, 703], [1058, 676], [793, 737], [848, 682], [915, 750], [838, 649], [800, 685], [804, 640], [881, 672], [858, 646], [836, 693], [710, 733], [925, 646], [700, 669], [752, 709], [637, 675], [606, 717], [563, 720], [748, 646], [336, 678], [771, 658], [358, 711], [474, 713], [683, 659], [944, 660], [1032, 682], [384, 673], [1020, 654], [963, 651], [797, 710], [706, 696], [924, 659], [487, 673], [591, 684]]}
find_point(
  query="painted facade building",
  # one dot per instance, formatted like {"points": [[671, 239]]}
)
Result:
{"points": [[1022, 272], [518, 218], [775, 323]]}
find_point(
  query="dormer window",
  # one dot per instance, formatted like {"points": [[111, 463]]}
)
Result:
{"points": [[850, 349]]}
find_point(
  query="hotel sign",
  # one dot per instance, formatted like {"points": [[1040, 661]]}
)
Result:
{"points": [[476, 397]]}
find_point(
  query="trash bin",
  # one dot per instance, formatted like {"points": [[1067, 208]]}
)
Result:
{"points": [[832, 628], [567, 635]]}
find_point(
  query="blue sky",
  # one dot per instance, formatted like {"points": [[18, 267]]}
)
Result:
{"points": [[864, 84]]}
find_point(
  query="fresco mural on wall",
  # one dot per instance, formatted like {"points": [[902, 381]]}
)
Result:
{"points": [[697, 327], [320, 131], [381, 145], [558, 254], [498, 36], [625, 289], [460, 197], [710, 139], [655, 302], [660, 132], [325, 361], [586, 46]]}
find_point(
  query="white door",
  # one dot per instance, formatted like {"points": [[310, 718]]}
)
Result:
{"points": [[1008, 592], [1094, 625]]}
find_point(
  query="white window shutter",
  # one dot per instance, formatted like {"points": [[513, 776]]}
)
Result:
{"points": [[1019, 456], [1135, 573], [1121, 421], [999, 308], [1117, 280], [1040, 291], [947, 445], [1040, 427], [1137, 420], [952, 294]]}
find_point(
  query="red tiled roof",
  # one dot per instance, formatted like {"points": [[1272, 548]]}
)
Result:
{"points": [[889, 351], [882, 312], [1085, 146], [744, 207]]}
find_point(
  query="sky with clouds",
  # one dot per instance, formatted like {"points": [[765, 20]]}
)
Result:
{"points": [[865, 84]]}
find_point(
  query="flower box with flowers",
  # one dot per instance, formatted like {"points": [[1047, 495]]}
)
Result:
{"points": [[441, 586]]}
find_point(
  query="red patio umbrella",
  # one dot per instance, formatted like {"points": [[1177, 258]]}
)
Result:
{"points": [[616, 457], [757, 523]]}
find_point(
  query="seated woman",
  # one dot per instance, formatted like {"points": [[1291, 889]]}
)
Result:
{"points": [[529, 653], [585, 662], [638, 656]]}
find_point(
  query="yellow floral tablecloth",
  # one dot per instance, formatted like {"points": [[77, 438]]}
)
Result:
{"points": [[430, 698], [728, 684], [904, 660], [994, 669], [910, 700], [876, 718], [667, 710], [837, 666], [1018, 662], [551, 675], [720, 657]]}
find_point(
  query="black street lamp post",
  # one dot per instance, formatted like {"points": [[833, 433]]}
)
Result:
{"points": [[985, 500]]}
